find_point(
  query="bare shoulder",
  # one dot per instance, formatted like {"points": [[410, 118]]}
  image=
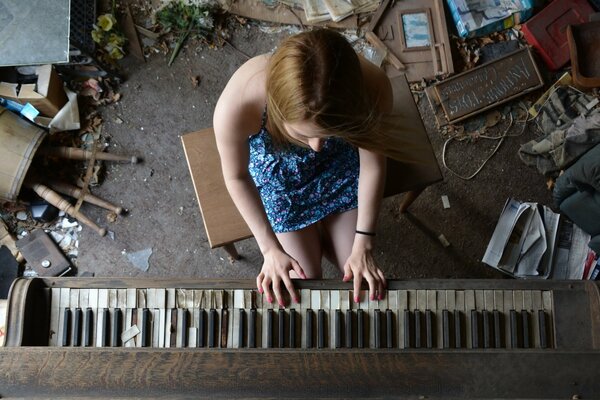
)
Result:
{"points": [[240, 105], [378, 84]]}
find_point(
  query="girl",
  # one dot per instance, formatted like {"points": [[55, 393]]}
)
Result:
{"points": [[302, 141]]}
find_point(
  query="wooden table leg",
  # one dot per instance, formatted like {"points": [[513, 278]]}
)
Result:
{"points": [[408, 199], [232, 251]]}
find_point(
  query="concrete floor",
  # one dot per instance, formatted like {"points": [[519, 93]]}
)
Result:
{"points": [[159, 103]]}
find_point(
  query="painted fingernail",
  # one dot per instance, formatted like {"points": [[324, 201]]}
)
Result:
{"points": [[356, 300], [296, 300], [372, 297], [380, 297], [260, 290], [269, 299]]}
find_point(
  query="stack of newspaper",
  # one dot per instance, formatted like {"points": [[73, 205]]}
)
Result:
{"points": [[532, 241], [334, 10]]}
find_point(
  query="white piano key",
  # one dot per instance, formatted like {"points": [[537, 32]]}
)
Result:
{"points": [[364, 305], [142, 298], [170, 298], [439, 318], [65, 298], [180, 327], [536, 302], [470, 304], [265, 306], [189, 299], [180, 301], [129, 334], [140, 324], [402, 305], [127, 326], [370, 328], [161, 304], [100, 327], [131, 298], [508, 305], [518, 300], [156, 327], [74, 300], [238, 303], [479, 300], [412, 300], [151, 298], [122, 299], [334, 304], [102, 298], [230, 309], [94, 306], [304, 305], [548, 304], [54, 316], [192, 337]]}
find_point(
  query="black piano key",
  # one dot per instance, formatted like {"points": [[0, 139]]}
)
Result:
{"points": [[525, 325], [212, 322], [349, 329], [241, 318], [309, 328], [389, 326], [201, 327], [89, 321], [407, 330], [429, 328], [144, 323], [76, 335], [474, 329], [116, 327], [321, 326], [184, 327], [64, 340], [458, 329], [542, 326], [514, 331], [446, 328], [417, 328], [105, 334], [377, 321], [485, 315], [252, 329], [270, 328], [281, 330], [338, 329], [224, 327], [361, 328], [173, 328], [497, 330], [292, 336]]}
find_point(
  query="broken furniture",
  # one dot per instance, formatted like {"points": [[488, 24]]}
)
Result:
{"points": [[484, 87], [584, 46], [223, 223], [577, 194], [547, 30], [415, 35]]}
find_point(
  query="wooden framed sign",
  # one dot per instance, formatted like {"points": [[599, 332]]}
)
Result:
{"points": [[488, 85]]}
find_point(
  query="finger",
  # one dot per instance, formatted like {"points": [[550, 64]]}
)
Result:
{"points": [[357, 282], [380, 289], [267, 289], [290, 288], [382, 277], [277, 290], [372, 285], [259, 280], [298, 269], [347, 273]]}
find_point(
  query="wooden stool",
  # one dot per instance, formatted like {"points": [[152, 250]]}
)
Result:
{"points": [[223, 223]]}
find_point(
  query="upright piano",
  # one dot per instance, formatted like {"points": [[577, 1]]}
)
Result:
{"points": [[103, 337]]}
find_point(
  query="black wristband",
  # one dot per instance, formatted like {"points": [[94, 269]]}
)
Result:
{"points": [[365, 233]]}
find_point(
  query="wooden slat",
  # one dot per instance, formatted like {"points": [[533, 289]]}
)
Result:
{"points": [[56, 372]]}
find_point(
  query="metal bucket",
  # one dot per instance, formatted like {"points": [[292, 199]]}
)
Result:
{"points": [[19, 141]]}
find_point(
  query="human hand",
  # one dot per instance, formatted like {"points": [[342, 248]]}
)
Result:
{"points": [[275, 270], [359, 265]]}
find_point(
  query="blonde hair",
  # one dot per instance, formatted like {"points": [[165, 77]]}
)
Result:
{"points": [[316, 75]]}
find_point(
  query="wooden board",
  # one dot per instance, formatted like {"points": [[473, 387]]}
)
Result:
{"points": [[423, 169], [222, 220], [489, 85]]}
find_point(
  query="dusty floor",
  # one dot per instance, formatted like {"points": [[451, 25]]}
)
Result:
{"points": [[159, 104]]}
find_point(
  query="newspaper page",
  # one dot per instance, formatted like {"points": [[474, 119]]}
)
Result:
{"points": [[511, 212], [534, 246]]}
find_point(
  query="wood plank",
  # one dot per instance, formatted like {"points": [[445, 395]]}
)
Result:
{"points": [[222, 220], [100, 372]]}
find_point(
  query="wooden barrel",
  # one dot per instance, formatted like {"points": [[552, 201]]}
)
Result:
{"points": [[19, 141]]}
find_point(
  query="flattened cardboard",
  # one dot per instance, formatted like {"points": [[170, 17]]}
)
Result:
{"points": [[47, 95]]}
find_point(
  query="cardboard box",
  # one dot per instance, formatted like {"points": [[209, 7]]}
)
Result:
{"points": [[480, 18], [47, 95]]}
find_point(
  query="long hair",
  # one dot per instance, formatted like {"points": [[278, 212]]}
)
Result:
{"points": [[316, 75]]}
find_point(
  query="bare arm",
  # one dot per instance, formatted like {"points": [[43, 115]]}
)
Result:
{"points": [[232, 119], [370, 192]]}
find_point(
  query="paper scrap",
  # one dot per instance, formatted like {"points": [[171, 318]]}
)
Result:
{"points": [[140, 259], [445, 201], [130, 334]]}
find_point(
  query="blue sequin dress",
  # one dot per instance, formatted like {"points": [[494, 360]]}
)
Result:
{"points": [[299, 186]]}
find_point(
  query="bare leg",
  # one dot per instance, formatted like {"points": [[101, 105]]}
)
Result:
{"points": [[338, 231], [305, 246]]}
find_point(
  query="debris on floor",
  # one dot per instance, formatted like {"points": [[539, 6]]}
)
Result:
{"points": [[140, 259]]}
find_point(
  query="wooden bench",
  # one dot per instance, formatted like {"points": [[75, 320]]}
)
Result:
{"points": [[223, 223]]}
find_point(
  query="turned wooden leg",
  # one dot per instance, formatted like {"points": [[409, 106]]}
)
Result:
{"points": [[408, 199], [232, 251]]}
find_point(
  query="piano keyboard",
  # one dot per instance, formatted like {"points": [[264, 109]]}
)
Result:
{"points": [[323, 319]]}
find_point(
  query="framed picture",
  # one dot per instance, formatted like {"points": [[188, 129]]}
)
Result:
{"points": [[415, 29]]}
